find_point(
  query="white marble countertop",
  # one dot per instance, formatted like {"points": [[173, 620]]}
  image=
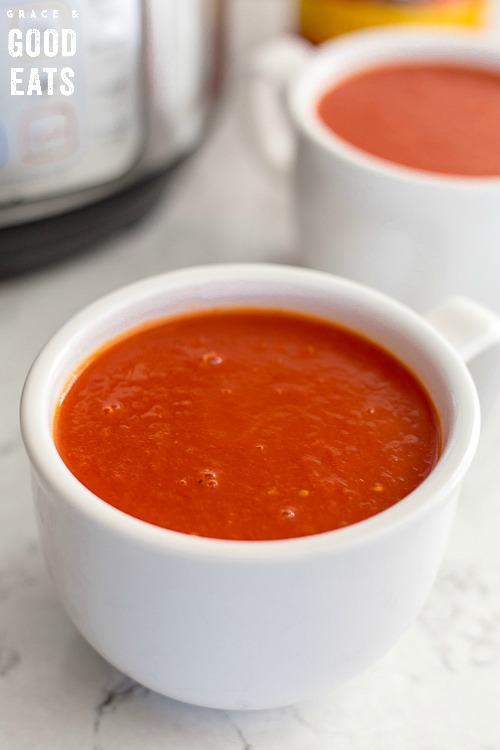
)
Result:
{"points": [[439, 687]]}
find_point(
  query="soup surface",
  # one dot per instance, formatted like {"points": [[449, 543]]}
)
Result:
{"points": [[246, 424], [429, 116]]}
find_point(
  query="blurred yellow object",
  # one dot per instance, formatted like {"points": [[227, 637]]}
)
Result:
{"points": [[322, 19]]}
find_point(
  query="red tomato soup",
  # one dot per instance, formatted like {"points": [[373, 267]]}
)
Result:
{"points": [[246, 424], [434, 117]]}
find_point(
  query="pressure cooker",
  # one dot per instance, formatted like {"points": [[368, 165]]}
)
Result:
{"points": [[100, 100]]}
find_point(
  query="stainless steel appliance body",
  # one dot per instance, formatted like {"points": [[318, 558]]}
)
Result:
{"points": [[98, 97]]}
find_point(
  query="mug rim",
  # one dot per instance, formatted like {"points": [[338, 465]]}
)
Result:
{"points": [[38, 405], [398, 43]]}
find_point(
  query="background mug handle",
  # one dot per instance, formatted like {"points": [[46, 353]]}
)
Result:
{"points": [[263, 111]]}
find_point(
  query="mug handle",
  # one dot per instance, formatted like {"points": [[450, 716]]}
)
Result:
{"points": [[263, 111], [474, 333]]}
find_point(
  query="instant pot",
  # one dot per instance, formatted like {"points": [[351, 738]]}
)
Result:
{"points": [[100, 99]]}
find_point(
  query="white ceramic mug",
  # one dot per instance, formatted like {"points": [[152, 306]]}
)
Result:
{"points": [[418, 236], [238, 624]]}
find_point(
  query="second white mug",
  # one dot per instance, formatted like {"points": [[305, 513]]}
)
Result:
{"points": [[418, 236]]}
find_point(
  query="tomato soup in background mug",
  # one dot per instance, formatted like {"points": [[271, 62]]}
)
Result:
{"points": [[428, 116], [414, 232], [247, 424], [250, 624]]}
